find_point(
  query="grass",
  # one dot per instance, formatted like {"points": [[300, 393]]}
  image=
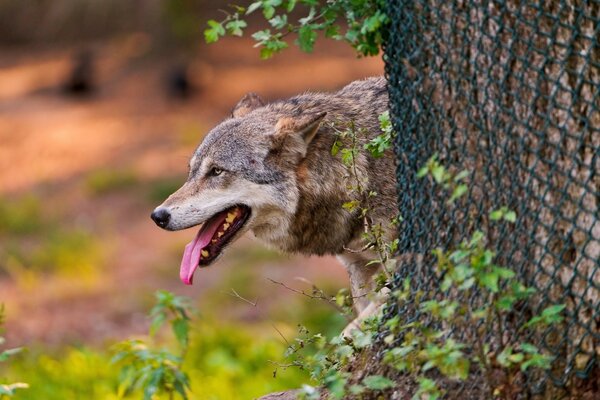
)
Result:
{"points": [[225, 362], [105, 181], [160, 189], [20, 216], [31, 242], [63, 251], [66, 252]]}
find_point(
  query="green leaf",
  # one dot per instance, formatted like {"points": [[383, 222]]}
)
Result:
{"points": [[438, 172], [279, 21], [181, 331], [333, 32], [311, 14], [157, 322], [458, 191], [423, 172], [262, 36], [505, 303], [6, 354], [538, 361], [236, 27], [306, 38], [356, 389], [268, 11], [553, 311], [214, 31], [361, 339], [461, 175], [351, 205], [528, 348], [378, 382], [490, 281], [504, 273], [253, 7], [335, 148], [9, 390], [510, 216], [496, 215], [291, 4], [516, 358]]}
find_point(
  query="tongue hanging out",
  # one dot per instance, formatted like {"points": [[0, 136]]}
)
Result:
{"points": [[211, 239]]}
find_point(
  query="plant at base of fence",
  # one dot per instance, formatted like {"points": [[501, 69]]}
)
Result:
{"points": [[327, 360], [480, 296], [156, 371], [362, 24], [8, 390]]}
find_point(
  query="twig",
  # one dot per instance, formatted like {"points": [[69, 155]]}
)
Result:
{"points": [[320, 296], [281, 334], [235, 294], [366, 247]]}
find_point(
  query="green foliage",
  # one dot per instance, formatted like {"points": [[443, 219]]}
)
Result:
{"points": [[360, 23], [156, 371], [446, 179], [52, 249], [67, 252], [21, 216], [105, 181], [224, 362], [327, 359], [378, 145], [174, 309], [503, 214], [31, 241], [378, 382], [8, 390], [425, 348], [151, 371], [468, 272]]}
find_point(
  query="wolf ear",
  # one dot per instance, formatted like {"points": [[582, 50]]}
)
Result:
{"points": [[306, 125], [248, 103]]}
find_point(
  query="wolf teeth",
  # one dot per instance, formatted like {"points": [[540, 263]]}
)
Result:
{"points": [[230, 217], [226, 226], [204, 253], [219, 234]]}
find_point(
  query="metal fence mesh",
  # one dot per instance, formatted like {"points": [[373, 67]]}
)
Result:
{"points": [[508, 90]]}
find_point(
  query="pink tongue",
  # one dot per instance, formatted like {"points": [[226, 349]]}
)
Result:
{"points": [[192, 253]]}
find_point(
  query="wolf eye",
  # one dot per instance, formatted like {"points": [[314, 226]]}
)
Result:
{"points": [[215, 171]]}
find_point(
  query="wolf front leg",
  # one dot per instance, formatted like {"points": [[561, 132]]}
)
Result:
{"points": [[366, 301], [361, 277]]}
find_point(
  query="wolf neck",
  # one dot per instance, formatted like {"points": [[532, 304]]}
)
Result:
{"points": [[320, 225]]}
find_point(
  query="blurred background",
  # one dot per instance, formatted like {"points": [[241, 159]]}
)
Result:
{"points": [[101, 104]]}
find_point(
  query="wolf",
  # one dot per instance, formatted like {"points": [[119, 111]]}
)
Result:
{"points": [[269, 169]]}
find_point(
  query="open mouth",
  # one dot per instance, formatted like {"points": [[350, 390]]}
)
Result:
{"points": [[212, 238]]}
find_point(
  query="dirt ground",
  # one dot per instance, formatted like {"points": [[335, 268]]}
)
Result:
{"points": [[50, 143]]}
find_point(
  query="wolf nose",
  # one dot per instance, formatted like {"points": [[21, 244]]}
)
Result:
{"points": [[161, 217]]}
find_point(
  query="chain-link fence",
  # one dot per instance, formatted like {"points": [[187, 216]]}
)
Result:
{"points": [[510, 91]]}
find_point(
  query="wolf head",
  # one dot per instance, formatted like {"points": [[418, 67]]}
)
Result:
{"points": [[242, 177]]}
